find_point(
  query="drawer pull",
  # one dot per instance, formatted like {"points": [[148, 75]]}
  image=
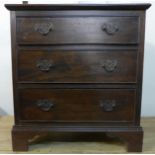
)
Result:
{"points": [[43, 28], [44, 65], [109, 65], [108, 105], [110, 29], [45, 105]]}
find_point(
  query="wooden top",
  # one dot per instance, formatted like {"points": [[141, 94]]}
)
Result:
{"points": [[44, 7]]}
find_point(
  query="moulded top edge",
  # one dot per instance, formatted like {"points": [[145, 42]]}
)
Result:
{"points": [[44, 7]]}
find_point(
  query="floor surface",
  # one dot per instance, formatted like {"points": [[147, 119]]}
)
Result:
{"points": [[105, 146]]}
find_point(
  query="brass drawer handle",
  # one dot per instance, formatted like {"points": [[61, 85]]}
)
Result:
{"points": [[45, 105], [110, 29], [43, 28], [109, 65], [108, 105], [44, 65]]}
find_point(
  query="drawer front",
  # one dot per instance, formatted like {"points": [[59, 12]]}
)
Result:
{"points": [[77, 66], [81, 105], [78, 30]]}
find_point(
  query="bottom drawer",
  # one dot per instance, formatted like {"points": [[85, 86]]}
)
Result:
{"points": [[77, 105]]}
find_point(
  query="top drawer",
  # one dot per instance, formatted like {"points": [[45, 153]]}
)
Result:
{"points": [[77, 30]]}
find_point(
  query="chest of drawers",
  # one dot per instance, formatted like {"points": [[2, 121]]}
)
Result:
{"points": [[77, 68]]}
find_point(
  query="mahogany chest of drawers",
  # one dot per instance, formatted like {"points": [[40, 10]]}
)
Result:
{"points": [[77, 68]]}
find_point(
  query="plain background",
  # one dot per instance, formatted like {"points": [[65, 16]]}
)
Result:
{"points": [[6, 97]]}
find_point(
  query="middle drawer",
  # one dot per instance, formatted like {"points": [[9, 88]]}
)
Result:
{"points": [[77, 66]]}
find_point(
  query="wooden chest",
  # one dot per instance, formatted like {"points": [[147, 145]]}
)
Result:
{"points": [[77, 68]]}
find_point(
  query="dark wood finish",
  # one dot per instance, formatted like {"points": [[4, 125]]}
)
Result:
{"points": [[132, 137], [140, 68], [77, 69], [79, 30], [67, 107], [77, 13], [77, 66], [17, 7]]}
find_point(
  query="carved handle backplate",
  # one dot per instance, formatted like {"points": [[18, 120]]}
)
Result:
{"points": [[109, 65], [43, 28], [108, 105], [45, 105], [109, 28], [44, 65]]}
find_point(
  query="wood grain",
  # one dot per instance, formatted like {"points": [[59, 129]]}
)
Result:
{"points": [[68, 108], [77, 66], [79, 30]]}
